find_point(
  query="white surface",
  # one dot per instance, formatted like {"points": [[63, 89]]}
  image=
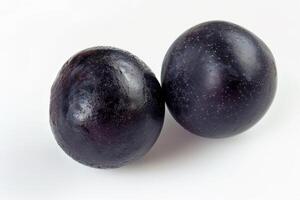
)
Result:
{"points": [[37, 37]]}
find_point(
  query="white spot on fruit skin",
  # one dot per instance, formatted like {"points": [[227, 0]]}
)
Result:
{"points": [[83, 111]]}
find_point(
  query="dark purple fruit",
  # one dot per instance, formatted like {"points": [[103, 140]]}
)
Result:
{"points": [[218, 79], [106, 107]]}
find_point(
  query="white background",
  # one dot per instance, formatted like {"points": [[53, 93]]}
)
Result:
{"points": [[37, 37]]}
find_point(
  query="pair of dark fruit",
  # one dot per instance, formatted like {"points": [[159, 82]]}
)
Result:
{"points": [[107, 108]]}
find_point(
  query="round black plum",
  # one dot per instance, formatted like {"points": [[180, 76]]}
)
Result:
{"points": [[218, 79], [106, 107]]}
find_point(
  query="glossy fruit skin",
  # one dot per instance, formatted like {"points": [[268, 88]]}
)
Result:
{"points": [[218, 79], [106, 108]]}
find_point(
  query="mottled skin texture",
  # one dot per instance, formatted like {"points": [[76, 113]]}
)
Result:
{"points": [[106, 107], [218, 79]]}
